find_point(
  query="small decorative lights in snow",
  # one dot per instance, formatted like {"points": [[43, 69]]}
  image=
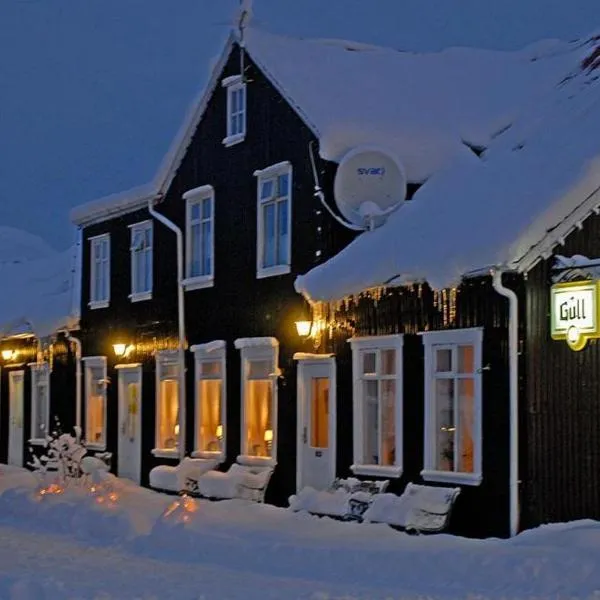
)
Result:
{"points": [[54, 489], [181, 509]]}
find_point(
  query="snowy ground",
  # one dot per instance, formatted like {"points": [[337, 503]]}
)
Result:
{"points": [[117, 542]]}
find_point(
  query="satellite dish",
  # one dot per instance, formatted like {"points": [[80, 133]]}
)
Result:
{"points": [[369, 185]]}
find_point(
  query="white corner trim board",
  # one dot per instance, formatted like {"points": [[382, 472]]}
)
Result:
{"points": [[256, 342]]}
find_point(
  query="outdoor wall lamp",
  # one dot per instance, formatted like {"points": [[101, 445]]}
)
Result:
{"points": [[304, 328], [9, 354], [122, 350]]}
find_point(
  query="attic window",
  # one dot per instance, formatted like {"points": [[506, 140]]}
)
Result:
{"points": [[236, 109]]}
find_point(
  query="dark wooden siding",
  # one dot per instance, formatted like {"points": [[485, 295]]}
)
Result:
{"points": [[239, 304], [562, 479], [481, 510]]}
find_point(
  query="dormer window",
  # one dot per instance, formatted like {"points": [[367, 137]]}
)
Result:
{"points": [[236, 109]]}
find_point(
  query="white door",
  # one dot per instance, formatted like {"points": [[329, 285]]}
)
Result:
{"points": [[16, 388], [130, 423], [316, 423]]}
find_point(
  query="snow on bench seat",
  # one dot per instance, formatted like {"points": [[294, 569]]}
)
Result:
{"points": [[173, 479], [239, 481], [420, 508]]}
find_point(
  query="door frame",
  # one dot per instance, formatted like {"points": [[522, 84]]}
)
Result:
{"points": [[122, 370], [305, 361], [11, 375]]}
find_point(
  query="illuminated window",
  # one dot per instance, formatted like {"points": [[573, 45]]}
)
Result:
{"points": [[236, 109], [167, 403], [100, 271], [95, 401], [141, 261], [40, 402], [453, 406], [259, 398], [377, 400], [210, 399], [274, 205], [199, 237]]}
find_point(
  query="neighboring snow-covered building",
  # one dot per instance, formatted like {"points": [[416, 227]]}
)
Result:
{"points": [[38, 309], [214, 365]]}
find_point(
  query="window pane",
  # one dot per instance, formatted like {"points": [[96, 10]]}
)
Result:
{"points": [[266, 189], [206, 208], [148, 271], [319, 424], [40, 408], [95, 407], [210, 429], [283, 185], [195, 251], [260, 369], [370, 424], [234, 101], [282, 238], [258, 426], [388, 420], [195, 211], [168, 415], [444, 413], [104, 249], [466, 359], [388, 362], [206, 247], [466, 416], [169, 370], [269, 235], [443, 362], [369, 361], [210, 368]]}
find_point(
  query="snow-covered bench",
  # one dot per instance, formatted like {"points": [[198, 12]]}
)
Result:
{"points": [[165, 478], [239, 481], [346, 499], [420, 508]]}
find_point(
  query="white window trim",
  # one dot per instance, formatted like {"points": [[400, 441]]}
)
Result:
{"points": [[233, 84], [170, 356], [35, 369], [95, 361], [452, 337], [146, 295], [95, 304], [192, 196], [358, 345], [251, 349], [267, 173], [211, 351]]}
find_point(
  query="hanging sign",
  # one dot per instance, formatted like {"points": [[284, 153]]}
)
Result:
{"points": [[574, 312]]}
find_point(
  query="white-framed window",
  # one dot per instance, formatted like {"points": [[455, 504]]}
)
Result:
{"points": [[453, 404], [100, 271], [274, 220], [377, 405], [141, 261], [259, 357], [236, 109], [168, 380], [210, 399], [199, 237], [40, 402], [96, 382]]}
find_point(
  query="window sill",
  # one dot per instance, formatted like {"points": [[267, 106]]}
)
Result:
{"points": [[220, 456], [232, 140], [273, 271], [95, 305], [198, 283], [37, 442], [377, 470], [450, 477], [165, 453], [256, 461], [140, 297], [96, 447]]}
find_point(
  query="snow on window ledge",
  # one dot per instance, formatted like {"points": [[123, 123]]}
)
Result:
{"points": [[452, 477], [37, 442], [273, 271], [256, 342], [256, 461], [377, 470], [220, 456], [98, 304], [165, 452], [140, 296], [96, 447], [232, 140], [198, 283]]}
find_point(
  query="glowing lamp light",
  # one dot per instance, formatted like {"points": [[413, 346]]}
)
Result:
{"points": [[9, 354], [303, 328], [122, 350], [176, 429], [268, 435], [219, 432]]}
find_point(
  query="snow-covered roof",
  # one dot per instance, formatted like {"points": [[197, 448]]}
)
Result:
{"points": [[426, 109], [536, 182], [37, 286]]}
